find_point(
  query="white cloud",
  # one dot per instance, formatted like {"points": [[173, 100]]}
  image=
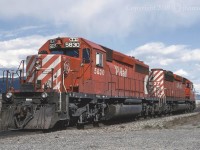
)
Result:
{"points": [[13, 51], [166, 62], [157, 54], [166, 55], [191, 55], [111, 17], [14, 32], [181, 59], [197, 88], [181, 72], [158, 48]]}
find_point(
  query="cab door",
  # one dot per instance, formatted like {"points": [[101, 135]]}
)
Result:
{"points": [[86, 63], [85, 74]]}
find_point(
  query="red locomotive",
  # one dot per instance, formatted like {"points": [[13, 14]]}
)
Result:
{"points": [[73, 80]]}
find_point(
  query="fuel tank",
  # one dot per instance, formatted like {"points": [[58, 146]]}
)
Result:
{"points": [[182, 107], [122, 111]]}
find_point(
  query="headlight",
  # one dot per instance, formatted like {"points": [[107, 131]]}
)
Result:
{"points": [[37, 62], [44, 95], [8, 95]]}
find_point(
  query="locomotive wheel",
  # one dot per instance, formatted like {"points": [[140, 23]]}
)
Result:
{"points": [[160, 114], [95, 124], [137, 118], [63, 124]]}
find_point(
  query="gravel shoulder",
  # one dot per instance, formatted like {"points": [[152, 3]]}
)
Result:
{"points": [[172, 133]]}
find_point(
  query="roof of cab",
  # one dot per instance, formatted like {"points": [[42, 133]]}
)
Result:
{"points": [[94, 45]]}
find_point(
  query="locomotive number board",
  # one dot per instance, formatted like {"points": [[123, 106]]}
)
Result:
{"points": [[52, 44], [72, 44]]}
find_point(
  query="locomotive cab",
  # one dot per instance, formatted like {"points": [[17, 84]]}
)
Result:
{"points": [[189, 90], [82, 62]]}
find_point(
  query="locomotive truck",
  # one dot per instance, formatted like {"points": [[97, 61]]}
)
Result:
{"points": [[73, 81]]}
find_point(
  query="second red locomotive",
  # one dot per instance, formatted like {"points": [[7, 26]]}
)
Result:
{"points": [[73, 80]]}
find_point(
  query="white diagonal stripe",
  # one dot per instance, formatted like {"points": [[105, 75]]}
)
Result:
{"points": [[28, 58], [32, 65], [160, 78], [48, 69], [57, 74], [157, 75], [57, 86], [46, 59], [32, 77]]}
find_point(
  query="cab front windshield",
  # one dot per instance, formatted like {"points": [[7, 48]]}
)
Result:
{"points": [[72, 52]]}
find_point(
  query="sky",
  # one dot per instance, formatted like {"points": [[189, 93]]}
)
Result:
{"points": [[163, 34]]}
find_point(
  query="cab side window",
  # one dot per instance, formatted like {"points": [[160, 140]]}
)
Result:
{"points": [[99, 59], [86, 55], [187, 85]]}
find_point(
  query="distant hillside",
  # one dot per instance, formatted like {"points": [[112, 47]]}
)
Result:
{"points": [[16, 84]]}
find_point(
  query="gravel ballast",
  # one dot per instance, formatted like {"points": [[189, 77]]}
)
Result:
{"points": [[173, 132]]}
